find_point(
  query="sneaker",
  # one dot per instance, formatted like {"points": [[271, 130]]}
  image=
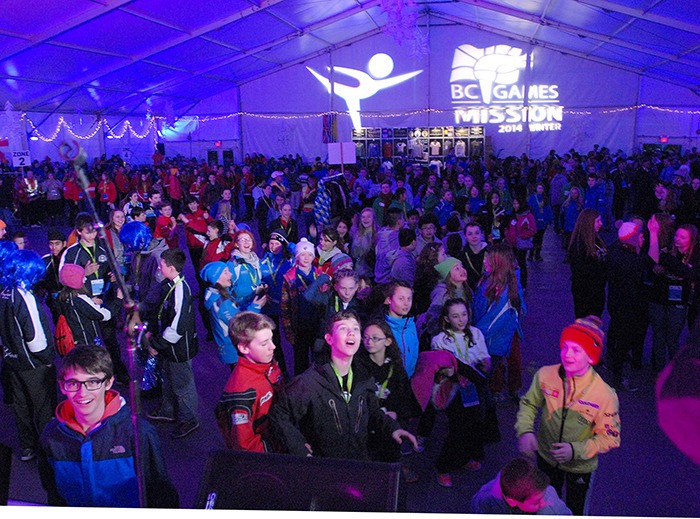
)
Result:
{"points": [[445, 480], [473, 465], [422, 442], [157, 416], [184, 429], [27, 454]]}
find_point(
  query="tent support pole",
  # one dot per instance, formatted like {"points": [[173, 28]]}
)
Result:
{"points": [[635, 142]]}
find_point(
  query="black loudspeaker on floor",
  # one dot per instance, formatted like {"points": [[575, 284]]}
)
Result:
{"points": [[253, 481]]}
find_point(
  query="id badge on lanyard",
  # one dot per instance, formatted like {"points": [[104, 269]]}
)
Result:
{"points": [[97, 286]]}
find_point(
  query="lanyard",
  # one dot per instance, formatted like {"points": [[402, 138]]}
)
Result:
{"points": [[462, 353], [274, 271], [252, 272], [303, 281], [346, 393], [91, 254], [382, 389], [466, 253], [162, 306]]}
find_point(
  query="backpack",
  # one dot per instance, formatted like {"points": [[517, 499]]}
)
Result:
{"points": [[63, 337]]}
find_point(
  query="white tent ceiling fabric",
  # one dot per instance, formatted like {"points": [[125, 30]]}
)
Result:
{"points": [[175, 58], [139, 56]]}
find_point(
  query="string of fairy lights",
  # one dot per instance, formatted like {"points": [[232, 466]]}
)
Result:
{"points": [[151, 128]]}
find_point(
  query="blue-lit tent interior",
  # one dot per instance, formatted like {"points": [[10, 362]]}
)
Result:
{"points": [[260, 75]]}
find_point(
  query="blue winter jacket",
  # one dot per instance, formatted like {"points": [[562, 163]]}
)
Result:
{"points": [[406, 335], [543, 214], [498, 321], [246, 278], [595, 198], [222, 311], [571, 215], [97, 469], [443, 211], [273, 267]]}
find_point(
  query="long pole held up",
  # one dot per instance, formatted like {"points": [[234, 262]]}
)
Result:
{"points": [[135, 328]]}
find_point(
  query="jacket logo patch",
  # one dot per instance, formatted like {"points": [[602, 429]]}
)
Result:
{"points": [[239, 418], [117, 449], [267, 396], [610, 431], [554, 393]]}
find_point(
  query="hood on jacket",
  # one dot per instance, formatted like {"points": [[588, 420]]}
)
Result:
{"points": [[66, 414], [395, 254], [211, 297], [387, 240], [157, 246]]}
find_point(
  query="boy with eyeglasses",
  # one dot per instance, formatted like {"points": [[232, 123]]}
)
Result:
{"points": [[92, 256], [89, 451]]}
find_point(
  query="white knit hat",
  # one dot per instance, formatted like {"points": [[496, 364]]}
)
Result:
{"points": [[304, 245]]}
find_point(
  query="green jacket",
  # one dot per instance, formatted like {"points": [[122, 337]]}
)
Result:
{"points": [[591, 424]]}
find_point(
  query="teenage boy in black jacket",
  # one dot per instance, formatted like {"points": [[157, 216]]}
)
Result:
{"points": [[328, 410], [177, 344]]}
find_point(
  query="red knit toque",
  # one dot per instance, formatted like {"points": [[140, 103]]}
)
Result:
{"points": [[586, 332]]}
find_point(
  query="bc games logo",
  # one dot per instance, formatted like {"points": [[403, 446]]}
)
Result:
{"points": [[490, 79]]}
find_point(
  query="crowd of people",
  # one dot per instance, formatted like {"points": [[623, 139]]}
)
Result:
{"points": [[403, 300]]}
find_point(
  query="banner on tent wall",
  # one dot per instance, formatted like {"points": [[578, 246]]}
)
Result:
{"points": [[570, 101], [488, 86]]}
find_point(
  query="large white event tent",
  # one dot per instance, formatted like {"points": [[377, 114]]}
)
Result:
{"points": [[269, 76]]}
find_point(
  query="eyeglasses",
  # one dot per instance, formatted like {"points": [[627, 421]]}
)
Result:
{"points": [[92, 384], [373, 339]]}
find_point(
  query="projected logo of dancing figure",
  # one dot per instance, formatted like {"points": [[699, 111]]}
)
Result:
{"points": [[379, 67]]}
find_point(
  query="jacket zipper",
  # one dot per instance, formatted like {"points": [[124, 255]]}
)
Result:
{"points": [[334, 408], [360, 412], [564, 412]]}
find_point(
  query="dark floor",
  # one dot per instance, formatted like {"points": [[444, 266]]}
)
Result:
{"points": [[646, 476]]}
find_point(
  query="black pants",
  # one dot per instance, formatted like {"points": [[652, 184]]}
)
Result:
{"points": [[556, 210], [109, 330], [589, 297], [521, 256], [626, 335], [34, 397], [537, 239], [577, 486], [464, 437], [249, 207], [54, 211]]}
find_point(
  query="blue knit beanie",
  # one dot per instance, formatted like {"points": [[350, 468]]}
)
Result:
{"points": [[212, 271]]}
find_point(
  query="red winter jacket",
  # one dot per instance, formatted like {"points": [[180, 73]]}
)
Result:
{"points": [[242, 410], [196, 228]]}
